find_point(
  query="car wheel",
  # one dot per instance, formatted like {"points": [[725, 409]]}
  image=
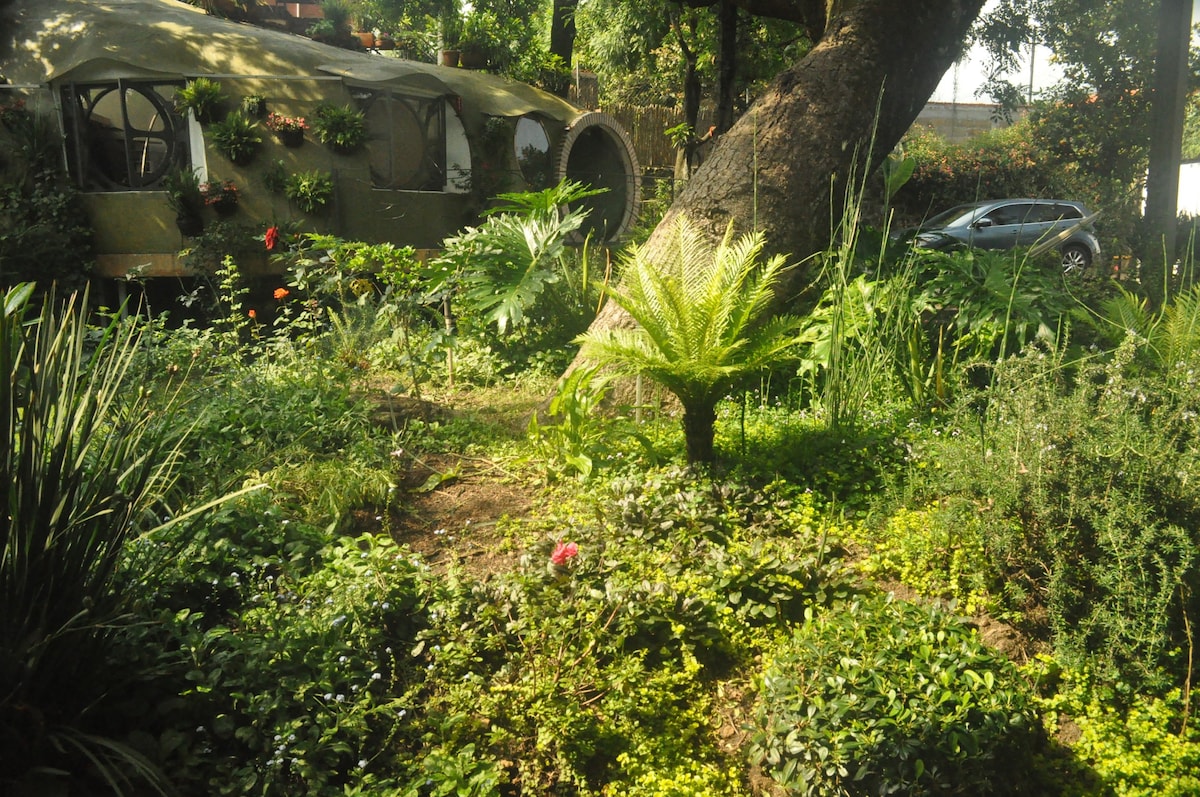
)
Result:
{"points": [[1076, 257]]}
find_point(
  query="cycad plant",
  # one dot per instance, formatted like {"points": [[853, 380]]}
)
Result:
{"points": [[704, 323], [82, 459]]}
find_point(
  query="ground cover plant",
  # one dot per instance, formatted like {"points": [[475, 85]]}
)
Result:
{"points": [[961, 565]]}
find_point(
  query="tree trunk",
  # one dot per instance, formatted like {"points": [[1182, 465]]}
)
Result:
{"points": [[699, 426], [562, 34], [783, 167], [685, 34], [727, 29]]}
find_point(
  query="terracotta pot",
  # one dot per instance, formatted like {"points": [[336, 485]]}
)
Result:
{"points": [[367, 38], [448, 57], [473, 59]]}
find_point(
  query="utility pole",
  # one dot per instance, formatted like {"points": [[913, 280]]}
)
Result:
{"points": [[1166, 146]]}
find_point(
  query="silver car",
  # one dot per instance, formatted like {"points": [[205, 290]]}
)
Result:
{"points": [[1008, 223]]}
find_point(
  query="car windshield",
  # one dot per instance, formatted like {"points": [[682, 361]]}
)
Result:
{"points": [[944, 218]]}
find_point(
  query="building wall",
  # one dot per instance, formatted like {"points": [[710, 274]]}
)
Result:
{"points": [[958, 122]]}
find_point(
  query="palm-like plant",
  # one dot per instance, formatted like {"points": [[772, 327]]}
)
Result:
{"points": [[704, 323]]}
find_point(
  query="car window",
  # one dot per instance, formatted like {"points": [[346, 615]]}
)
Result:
{"points": [[1068, 212], [1007, 214], [945, 218]]}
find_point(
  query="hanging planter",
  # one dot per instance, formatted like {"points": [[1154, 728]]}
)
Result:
{"points": [[189, 225], [236, 138], [343, 130], [288, 129], [222, 197]]}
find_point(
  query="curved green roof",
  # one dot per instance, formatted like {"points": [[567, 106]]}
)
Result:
{"points": [[86, 40]]}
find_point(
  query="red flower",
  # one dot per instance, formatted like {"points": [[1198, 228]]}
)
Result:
{"points": [[271, 238], [564, 551], [280, 293], [253, 315]]}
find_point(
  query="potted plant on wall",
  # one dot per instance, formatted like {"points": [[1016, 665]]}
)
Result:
{"points": [[220, 195], [203, 97], [186, 199], [254, 106], [311, 191], [288, 129], [236, 137], [343, 130]]}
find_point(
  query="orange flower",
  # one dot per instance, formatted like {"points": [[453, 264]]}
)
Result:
{"points": [[253, 315], [281, 294]]}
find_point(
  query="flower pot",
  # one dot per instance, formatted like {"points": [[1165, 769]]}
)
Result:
{"points": [[385, 42], [448, 57], [472, 59], [366, 38], [290, 138], [189, 224], [225, 207]]}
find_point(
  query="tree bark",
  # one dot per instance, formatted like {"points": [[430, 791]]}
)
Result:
{"points": [[699, 430], [727, 30], [784, 166], [562, 34]]}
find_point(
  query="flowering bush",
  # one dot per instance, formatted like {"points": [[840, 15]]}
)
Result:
{"points": [[219, 193], [278, 123]]}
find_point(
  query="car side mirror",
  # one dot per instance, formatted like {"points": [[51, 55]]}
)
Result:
{"points": [[979, 225]]}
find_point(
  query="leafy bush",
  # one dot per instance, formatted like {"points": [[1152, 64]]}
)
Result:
{"points": [[45, 234], [302, 684], [236, 137], [1082, 485], [596, 670], [883, 697], [939, 557], [1006, 162]]}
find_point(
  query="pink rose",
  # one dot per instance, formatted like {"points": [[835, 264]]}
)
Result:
{"points": [[564, 551]]}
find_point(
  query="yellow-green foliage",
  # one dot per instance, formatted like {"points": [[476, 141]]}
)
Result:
{"points": [[929, 550], [1139, 751]]}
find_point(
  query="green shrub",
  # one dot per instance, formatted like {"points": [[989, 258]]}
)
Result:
{"points": [[311, 191], [883, 697], [236, 137], [45, 233], [938, 556], [1082, 483], [344, 130], [597, 672], [302, 685]]}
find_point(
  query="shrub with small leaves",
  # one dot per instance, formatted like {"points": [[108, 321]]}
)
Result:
{"points": [[883, 697]]}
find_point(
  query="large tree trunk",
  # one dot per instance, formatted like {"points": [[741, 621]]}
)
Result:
{"points": [[783, 167]]}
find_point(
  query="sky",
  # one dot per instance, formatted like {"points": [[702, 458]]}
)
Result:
{"points": [[962, 80]]}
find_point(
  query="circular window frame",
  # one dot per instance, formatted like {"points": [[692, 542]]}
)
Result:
{"points": [[609, 126]]}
